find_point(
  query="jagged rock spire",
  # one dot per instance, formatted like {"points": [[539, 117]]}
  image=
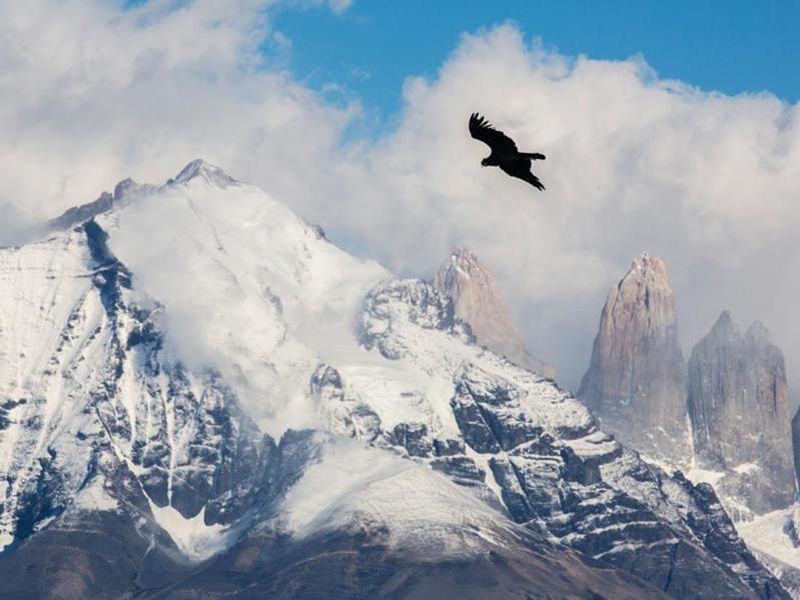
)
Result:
{"points": [[738, 402], [478, 301], [636, 382]]}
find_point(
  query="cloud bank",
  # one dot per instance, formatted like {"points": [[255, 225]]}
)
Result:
{"points": [[708, 182]]}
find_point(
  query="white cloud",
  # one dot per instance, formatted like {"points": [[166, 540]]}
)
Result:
{"points": [[93, 93], [709, 182]]}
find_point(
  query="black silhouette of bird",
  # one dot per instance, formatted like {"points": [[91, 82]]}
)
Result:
{"points": [[504, 151]]}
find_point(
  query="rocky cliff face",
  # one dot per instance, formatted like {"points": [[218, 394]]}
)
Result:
{"points": [[636, 382], [478, 302], [739, 407]]}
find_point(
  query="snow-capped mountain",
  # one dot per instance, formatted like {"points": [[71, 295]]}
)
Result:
{"points": [[201, 394]]}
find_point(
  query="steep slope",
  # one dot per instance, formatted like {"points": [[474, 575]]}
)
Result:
{"points": [[636, 381], [478, 302], [199, 386], [739, 406]]}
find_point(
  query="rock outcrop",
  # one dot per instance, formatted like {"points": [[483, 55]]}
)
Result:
{"points": [[739, 407], [636, 382], [477, 301]]}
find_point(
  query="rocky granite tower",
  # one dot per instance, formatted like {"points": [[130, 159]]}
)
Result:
{"points": [[739, 407], [477, 301], [636, 382], [796, 443]]}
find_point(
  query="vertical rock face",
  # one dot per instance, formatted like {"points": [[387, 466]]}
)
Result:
{"points": [[796, 442], [739, 408], [477, 301], [636, 382]]}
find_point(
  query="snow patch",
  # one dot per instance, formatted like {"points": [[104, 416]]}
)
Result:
{"points": [[196, 540], [768, 534], [747, 468], [697, 475], [94, 497]]}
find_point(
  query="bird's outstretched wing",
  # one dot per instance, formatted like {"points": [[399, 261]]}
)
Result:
{"points": [[482, 130]]}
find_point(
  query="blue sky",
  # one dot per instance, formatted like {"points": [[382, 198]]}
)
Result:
{"points": [[728, 46]]}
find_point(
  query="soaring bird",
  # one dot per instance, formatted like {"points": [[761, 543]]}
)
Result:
{"points": [[504, 151]]}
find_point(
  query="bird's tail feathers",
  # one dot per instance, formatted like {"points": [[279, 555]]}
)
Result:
{"points": [[533, 180], [533, 155]]}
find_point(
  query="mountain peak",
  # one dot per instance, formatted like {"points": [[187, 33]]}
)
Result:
{"points": [[462, 262], [636, 378], [758, 333], [204, 170], [724, 326], [128, 188], [725, 330], [477, 300], [187, 446], [105, 202], [463, 254], [646, 264]]}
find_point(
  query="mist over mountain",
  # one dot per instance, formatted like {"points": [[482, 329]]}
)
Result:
{"points": [[198, 384]]}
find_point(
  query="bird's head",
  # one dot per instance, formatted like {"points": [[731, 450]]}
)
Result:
{"points": [[485, 162]]}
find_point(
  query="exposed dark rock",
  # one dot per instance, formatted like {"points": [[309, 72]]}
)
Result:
{"points": [[342, 566], [105, 202], [460, 468], [609, 505], [448, 447], [413, 437], [138, 430]]}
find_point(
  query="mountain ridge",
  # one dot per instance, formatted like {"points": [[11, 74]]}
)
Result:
{"points": [[318, 389]]}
